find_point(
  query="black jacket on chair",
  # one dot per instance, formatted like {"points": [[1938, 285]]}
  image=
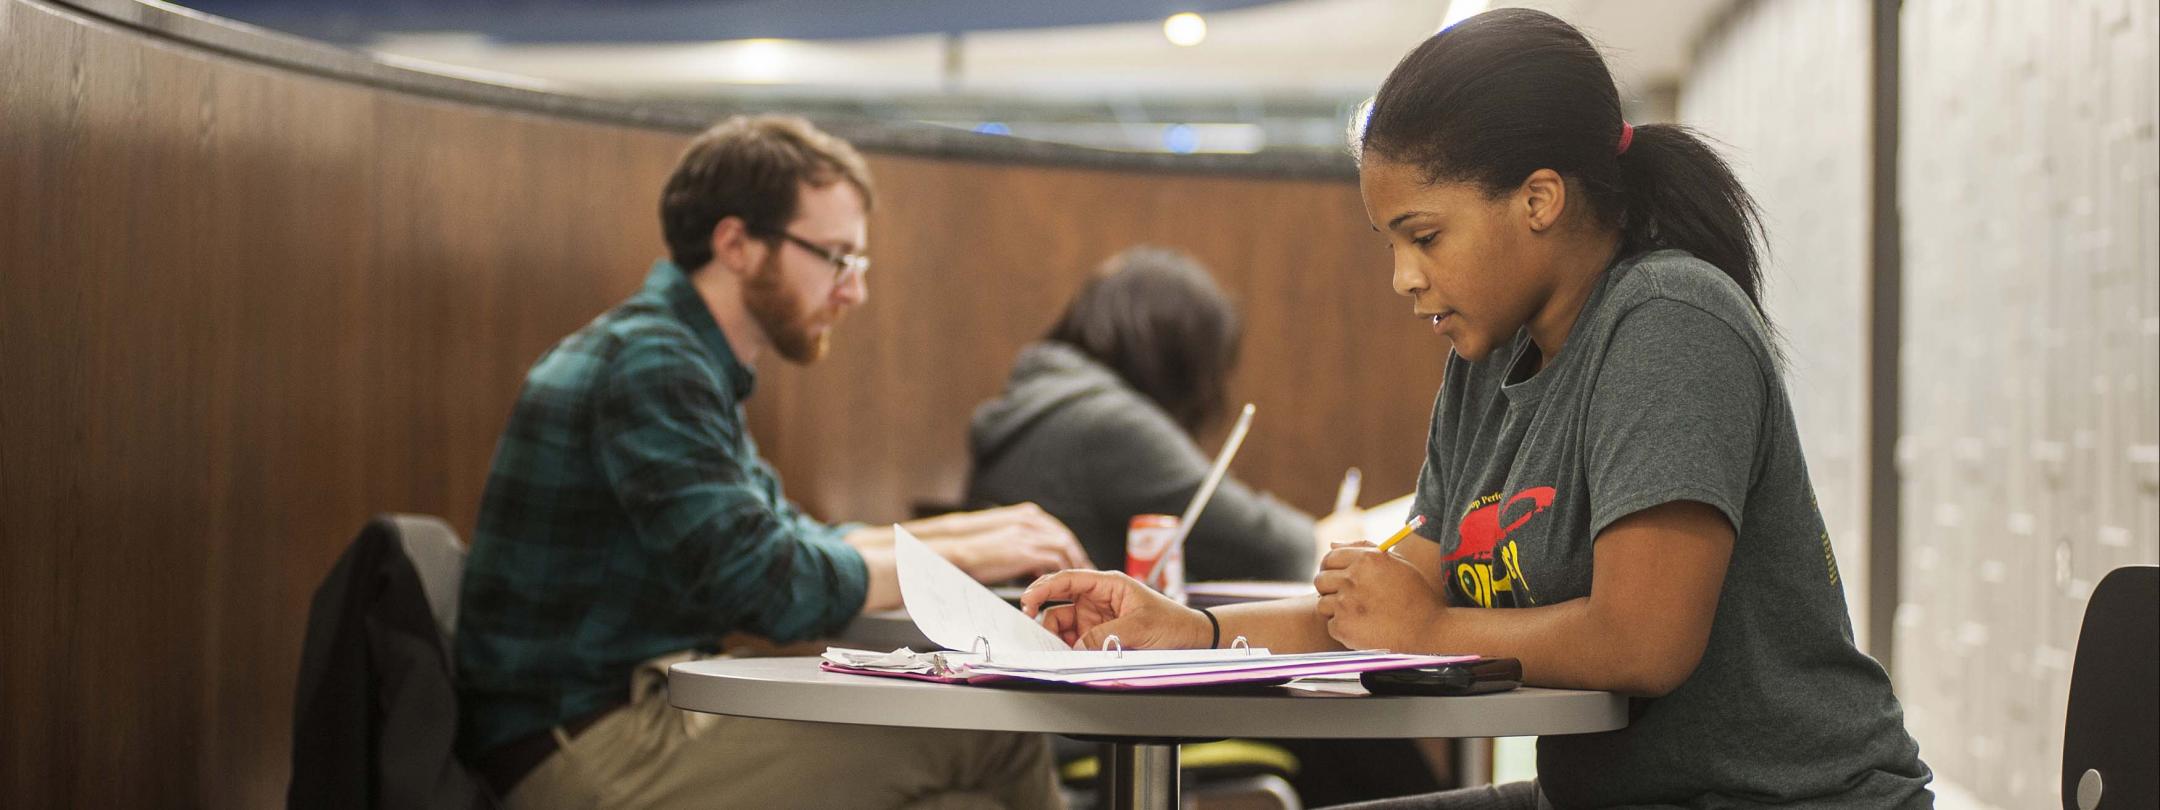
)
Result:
{"points": [[376, 717]]}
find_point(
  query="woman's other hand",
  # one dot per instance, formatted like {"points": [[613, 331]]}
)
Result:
{"points": [[1107, 603]]}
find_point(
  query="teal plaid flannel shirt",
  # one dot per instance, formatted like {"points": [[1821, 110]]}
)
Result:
{"points": [[628, 515]]}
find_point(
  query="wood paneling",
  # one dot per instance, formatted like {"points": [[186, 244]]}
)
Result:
{"points": [[974, 261], [242, 308]]}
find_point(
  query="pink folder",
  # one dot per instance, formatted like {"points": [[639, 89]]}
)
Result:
{"points": [[1215, 674]]}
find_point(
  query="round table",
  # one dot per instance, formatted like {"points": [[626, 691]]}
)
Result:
{"points": [[1144, 727]]}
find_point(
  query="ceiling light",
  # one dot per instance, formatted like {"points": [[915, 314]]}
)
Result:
{"points": [[1184, 29], [759, 61], [1186, 139], [1459, 10], [1180, 138]]}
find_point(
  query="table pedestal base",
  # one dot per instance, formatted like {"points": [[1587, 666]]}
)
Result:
{"points": [[1140, 775]]}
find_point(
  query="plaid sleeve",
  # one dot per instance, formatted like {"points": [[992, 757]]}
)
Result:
{"points": [[671, 445]]}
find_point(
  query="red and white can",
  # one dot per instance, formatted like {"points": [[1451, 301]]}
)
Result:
{"points": [[1147, 548]]}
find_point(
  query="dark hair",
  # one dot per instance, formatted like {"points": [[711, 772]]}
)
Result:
{"points": [[1505, 93], [1156, 317], [753, 168]]}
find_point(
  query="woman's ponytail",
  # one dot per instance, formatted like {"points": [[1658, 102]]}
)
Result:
{"points": [[1675, 192]]}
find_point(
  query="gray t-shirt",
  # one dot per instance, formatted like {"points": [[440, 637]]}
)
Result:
{"points": [[1667, 391]]}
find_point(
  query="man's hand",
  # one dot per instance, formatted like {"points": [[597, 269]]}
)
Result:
{"points": [[1373, 599], [961, 524], [1107, 603], [995, 545]]}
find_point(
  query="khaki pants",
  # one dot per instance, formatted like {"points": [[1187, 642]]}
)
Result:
{"points": [[650, 754]]}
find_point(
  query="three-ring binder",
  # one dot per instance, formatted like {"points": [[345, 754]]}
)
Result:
{"points": [[1111, 644]]}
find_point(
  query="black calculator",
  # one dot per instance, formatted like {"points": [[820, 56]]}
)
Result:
{"points": [[1479, 677]]}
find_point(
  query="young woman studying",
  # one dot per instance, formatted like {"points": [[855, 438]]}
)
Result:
{"points": [[1613, 487]]}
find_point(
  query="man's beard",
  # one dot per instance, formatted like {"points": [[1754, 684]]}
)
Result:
{"points": [[781, 313]]}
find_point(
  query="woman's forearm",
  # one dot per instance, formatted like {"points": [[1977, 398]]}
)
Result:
{"points": [[1281, 625], [1642, 629], [1563, 645]]}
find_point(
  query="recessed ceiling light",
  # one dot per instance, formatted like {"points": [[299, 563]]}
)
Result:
{"points": [[759, 61], [1184, 29]]}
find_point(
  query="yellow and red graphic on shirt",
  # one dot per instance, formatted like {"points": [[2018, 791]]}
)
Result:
{"points": [[1486, 565]]}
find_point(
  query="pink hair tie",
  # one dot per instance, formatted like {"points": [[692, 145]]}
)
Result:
{"points": [[1627, 136]]}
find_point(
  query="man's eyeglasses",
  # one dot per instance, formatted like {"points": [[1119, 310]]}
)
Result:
{"points": [[846, 266]]}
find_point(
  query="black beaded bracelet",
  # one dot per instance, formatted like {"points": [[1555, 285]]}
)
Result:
{"points": [[1214, 628]]}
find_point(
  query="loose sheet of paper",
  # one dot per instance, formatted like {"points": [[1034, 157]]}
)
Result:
{"points": [[1381, 521], [952, 609]]}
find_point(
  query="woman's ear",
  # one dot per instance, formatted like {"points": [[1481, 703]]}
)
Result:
{"points": [[1544, 199]]}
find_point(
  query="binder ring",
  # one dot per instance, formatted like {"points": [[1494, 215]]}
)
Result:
{"points": [[982, 644], [1240, 643], [1113, 646]]}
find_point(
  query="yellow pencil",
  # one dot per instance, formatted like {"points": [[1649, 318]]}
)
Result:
{"points": [[1407, 528]]}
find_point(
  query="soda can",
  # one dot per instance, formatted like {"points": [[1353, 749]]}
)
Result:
{"points": [[1147, 547]]}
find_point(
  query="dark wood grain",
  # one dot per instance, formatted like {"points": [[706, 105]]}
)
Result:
{"points": [[974, 261], [241, 309]]}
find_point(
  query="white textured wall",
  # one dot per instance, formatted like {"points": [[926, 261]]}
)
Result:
{"points": [[2032, 309], [1783, 86], [2031, 204]]}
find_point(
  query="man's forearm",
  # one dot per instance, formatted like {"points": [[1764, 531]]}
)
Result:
{"points": [[881, 577], [869, 537]]}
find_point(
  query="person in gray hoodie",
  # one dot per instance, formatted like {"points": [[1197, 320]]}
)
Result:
{"points": [[1098, 423]]}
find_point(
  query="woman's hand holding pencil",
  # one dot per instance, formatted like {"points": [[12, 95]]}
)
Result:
{"points": [[1373, 599]]}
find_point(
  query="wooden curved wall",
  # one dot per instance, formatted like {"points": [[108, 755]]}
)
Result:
{"points": [[243, 307]]}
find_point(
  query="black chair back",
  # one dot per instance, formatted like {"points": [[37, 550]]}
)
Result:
{"points": [[375, 715], [2111, 735]]}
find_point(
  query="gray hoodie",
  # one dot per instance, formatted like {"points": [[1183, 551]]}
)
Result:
{"points": [[1072, 437]]}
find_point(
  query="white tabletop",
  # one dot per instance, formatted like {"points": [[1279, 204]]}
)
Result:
{"points": [[795, 689]]}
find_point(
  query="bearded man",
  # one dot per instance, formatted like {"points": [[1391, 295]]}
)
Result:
{"points": [[629, 523]]}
